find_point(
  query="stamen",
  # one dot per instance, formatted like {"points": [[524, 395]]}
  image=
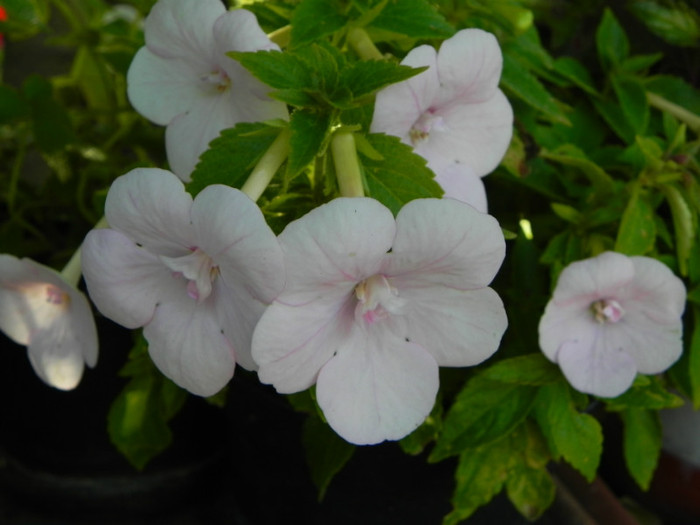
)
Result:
{"points": [[607, 311]]}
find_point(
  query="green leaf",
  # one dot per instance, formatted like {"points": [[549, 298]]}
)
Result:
{"points": [[637, 232], [276, 69], [482, 412], [694, 361], [524, 85], [615, 118], [576, 437], [531, 369], [566, 212], [576, 73], [367, 76], [52, 127], [642, 444], [684, 225], [633, 101], [400, 176], [611, 41], [570, 155], [326, 453], [651, 395], [530, 490], [25, 18], [675, 22], [639, 63], [412, 18], [232, 156], [315, 19], [429, 430], [12, 105], [137, 422], [677, 90], [308, 129]]}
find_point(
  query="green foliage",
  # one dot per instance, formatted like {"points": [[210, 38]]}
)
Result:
{"points": [[642, 443]]}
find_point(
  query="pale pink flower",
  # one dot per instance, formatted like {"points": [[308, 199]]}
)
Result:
{"points": [[196, 274], [183, 79], [373, 305], [611, 317], [39, 309], [453, 114]]}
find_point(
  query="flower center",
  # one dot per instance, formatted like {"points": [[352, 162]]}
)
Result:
{"points": [[607, 311], [422, 127], [376, 299], [217, 80], [199, 270], [45, 303]]}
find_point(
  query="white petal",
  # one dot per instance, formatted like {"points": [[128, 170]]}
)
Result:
{"points": [[151, 207], [447, 242], [231, 229], [125, 282], [238, 30], [458, 328], [458, 181], [377, 387], [186, 343], [586, 281], [565, 323]]}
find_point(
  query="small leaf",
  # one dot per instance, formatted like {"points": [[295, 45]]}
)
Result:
{"points": [[575, 72], [639, 63], [642, 444], [570, 155], [611, 41], [308, 129], [367, 76], [615, 118], [326, 453], [412, 18], [566, 212], [675, 22], [429, 430], [276, 69], [637, 232], [532, 369], [651, 395], [530, 490], [633, 101], [315, 19]]}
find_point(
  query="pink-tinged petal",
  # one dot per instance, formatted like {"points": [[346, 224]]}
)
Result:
{"points": [[292, 343], [161, 89], [182, 28], [125, 281], [458, 328], [476, 135], [469, 67], [339, 243], [231, 229], [398, 106], [653, 346], [447, 242], [594, 365], [458, 181], [583, 282], [186, 343], [377, 387], [151, 207], [561, 324], [656, 293], [239, 30]]}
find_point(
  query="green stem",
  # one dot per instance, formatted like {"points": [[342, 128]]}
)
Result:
{"points": [[362, 44], [267, 166], [281, 36], [71, 271], [347, 168], [682, 114]]}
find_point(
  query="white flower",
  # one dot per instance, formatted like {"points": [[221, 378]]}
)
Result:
{"points": [[610, 317], [453, 114], [373, 305], [39, 309], [196, 274], [183, 79]]}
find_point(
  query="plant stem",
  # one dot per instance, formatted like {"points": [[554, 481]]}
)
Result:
{"points": [[347, 168], [72, 270], [362, 44], [267, 166], [281, 36], [682, 114]]}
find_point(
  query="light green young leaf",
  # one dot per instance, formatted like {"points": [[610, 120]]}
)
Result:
{"points": [[649, 394], [530, 490], [637, 232], [611, 41], [684, 225], [642, 444]]}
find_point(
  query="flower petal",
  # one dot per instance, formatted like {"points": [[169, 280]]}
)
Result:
{"points": [[151, 207], [161, 89], [186, 343], [469, 67], [458, 181], [125, 281], [231, 229], [457, 328], [339, 243], [292, 343], [447, 242], [239, 30], [377, 387], [595, 365]]}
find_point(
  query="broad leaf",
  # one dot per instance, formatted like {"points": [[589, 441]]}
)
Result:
{"points": [[642, 444], [315, 19], [611, 41], [637, 232], [326, 452], [308, 131]]}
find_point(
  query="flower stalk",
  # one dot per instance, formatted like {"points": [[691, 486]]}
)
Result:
{"points": [[72, 270], [267, 166], [362, 44], [682, 114], [347, 167]]}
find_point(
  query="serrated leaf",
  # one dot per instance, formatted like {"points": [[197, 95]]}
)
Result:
{"points": [[531, 369], [633, 101], [651, 395], [531, 491], [642, 444], [524, 85], [482, 412], [326, 453], [400, 176], [637, 232], [308, 131], [367, 76], [276, 69], [232, 156], [412, 18], [315, 19], [575, 72], [611, 41], [576, 437]]}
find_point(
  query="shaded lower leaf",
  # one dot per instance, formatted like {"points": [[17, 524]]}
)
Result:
{"points": [[642, 444], [530, 490]]}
